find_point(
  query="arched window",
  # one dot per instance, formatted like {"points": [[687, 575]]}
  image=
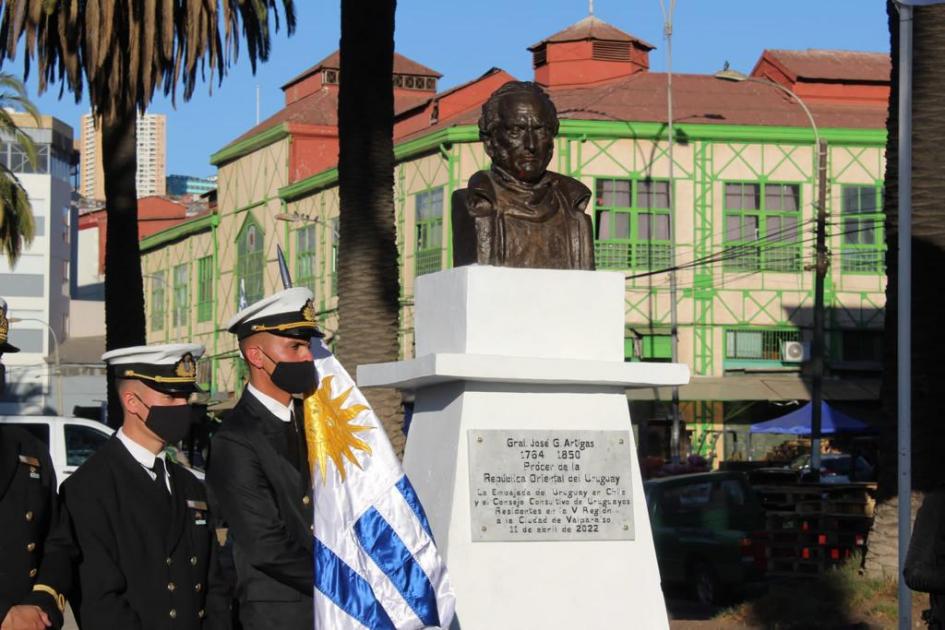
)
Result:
{"points": [[250, 262]]}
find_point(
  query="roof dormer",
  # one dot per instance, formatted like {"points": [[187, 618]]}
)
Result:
{"points": [[589, 51]]}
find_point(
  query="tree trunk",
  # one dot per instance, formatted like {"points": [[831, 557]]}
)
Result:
{"points": [[928, 283], [124, 296], [368, 306]]}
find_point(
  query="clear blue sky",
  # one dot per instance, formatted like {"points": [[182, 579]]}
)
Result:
{"points": [[463, 39]]}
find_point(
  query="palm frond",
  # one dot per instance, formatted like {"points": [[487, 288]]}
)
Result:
{"points": [[121, 51]]}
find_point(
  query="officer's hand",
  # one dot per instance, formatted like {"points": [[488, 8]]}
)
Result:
{"points": [[25, 618]]}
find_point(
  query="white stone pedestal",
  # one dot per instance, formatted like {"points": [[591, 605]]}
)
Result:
{"points": [[513, 350]]}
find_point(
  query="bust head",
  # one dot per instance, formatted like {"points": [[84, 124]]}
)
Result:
{"points": [[518, 127]]}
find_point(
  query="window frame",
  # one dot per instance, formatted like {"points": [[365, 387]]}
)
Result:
{"points": [[854, 255], [429, 258], [759, 254], [769, 350], [180, 310], [334, 228], [634, 251], [306, 256], [158, 300], [250, 265], [205, 288]]}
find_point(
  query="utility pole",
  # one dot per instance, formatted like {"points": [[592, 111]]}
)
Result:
{"points": [[673, 317], [818, 347]]}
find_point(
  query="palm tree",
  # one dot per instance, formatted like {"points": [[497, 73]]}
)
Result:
{"points": [[16, 213], [121, 51], [928, 283], [368, 306]]}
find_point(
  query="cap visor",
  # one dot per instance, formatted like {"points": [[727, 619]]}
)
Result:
{"points": [[6, 347], [174, 389], [298, 333]]}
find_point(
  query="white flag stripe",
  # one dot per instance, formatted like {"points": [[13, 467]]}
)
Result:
{"points": [[330, 617], [393, 507], [347, 548]]}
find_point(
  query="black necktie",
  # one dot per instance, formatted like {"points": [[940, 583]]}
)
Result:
{"points": [[293, 442], [160, 477]]}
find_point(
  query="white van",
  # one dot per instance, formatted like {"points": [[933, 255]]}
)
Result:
{"points": [[71, 440]]}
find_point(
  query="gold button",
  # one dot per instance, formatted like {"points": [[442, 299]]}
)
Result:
{"points": [[193, 560], [306, 500], [171, 587], [33, 572], [29, 516], [168, 561], [201, 614], [198, 587], [173, 614], [31, 546]]}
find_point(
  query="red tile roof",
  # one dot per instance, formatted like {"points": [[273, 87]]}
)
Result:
{"points": [[318, 108], [402, 65], [592, 28], [705, 99], [321, 108], [831, 65], [696, 99]]}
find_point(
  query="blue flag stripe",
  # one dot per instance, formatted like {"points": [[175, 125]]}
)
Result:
{"points": [[410, 496], [389, 553], [350, 592]]}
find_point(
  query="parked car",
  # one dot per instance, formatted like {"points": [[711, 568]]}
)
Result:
{"points": [[836, 468], [71, 441], [709, 533]]}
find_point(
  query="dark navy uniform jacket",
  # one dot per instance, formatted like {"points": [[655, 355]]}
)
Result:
{"points": [[267, 503], [34, 545], [146, 561]]}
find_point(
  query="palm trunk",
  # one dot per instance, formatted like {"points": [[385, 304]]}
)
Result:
{"points": [[928, 283], [368, 305], [124, 297]]}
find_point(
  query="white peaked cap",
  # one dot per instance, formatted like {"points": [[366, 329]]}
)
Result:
{"points": [[170, 367], [157, 354], [289, 312]]}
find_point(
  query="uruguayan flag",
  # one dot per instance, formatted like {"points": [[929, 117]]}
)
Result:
{"points": [[376, 565]]}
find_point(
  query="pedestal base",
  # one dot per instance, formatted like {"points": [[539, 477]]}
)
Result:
{"points": [[521, 448]]}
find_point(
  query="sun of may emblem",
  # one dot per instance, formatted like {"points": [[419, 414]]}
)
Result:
{"points": [[329, 431]]}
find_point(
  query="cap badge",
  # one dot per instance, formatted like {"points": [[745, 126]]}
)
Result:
{"points": [[4, 325], [186, 367], [308, 311]]}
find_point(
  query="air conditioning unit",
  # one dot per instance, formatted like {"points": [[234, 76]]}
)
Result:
{"points": [[795, 351]]}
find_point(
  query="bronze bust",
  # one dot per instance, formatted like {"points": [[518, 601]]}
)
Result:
{"points": [[518, 213]]}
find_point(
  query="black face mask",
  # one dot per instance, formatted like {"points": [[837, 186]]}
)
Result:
{"points": [[293, 377], [172, 423]]}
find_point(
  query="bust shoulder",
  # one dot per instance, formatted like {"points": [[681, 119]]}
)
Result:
{"points": [[577, 194], [480, 194]]}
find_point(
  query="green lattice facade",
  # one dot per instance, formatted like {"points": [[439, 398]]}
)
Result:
{"points": [[742, 214]]}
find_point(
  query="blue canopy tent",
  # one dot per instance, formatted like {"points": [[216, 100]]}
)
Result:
{"points": [[798, 422]]}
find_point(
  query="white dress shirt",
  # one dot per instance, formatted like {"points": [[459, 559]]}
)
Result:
{"points": [[144, 457], [283, 412]]}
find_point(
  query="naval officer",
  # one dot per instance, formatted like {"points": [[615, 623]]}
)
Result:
{"points": [[259, 477], [35, 560], [140, 520]]}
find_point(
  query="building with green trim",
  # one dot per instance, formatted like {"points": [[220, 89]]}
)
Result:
{"points": [[736, 211]]}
